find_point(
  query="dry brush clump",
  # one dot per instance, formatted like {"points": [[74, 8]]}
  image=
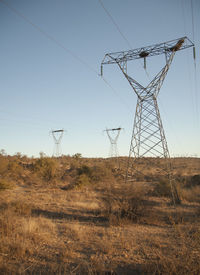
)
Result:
{"points": [[10, 173], [91, 175], [46, 168], [190, 188], [162, 188], [124, 203], [6, 183]]}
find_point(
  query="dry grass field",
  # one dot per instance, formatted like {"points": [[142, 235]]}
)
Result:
{"points": [[78, 216]]}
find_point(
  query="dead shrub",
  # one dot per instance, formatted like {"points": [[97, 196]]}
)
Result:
{"points": [[163, 188], [101, 173], [193, 181], [191, 194], [6, 184], [15, 170], [3, 165], [125, 204], [95, 173]]}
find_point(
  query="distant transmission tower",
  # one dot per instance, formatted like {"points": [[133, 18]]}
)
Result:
{"points": [[57, 136], [113, 140], [148, 138]]}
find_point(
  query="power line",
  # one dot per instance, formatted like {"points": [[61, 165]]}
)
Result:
{"points": [[194, 93], [195, 69], [123, 36], [53, 39], [116, 25], [47, 35], [115, 92], [192, 20], [183, 13]]}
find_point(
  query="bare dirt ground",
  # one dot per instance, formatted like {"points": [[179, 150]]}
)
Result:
{"points": [[109, 227]]}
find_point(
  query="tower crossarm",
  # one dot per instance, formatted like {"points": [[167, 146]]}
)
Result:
{"points": [[58, 131], [144, 52]]}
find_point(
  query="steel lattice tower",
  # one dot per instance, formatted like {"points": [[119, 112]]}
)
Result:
{"points": [[57, 136], [148, 138], [113, 141]]}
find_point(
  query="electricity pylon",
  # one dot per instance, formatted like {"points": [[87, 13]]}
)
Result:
{"points": [[113, 141], [57, 136], [148, 137]]}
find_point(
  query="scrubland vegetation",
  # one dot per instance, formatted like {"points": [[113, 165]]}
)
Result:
{"points": [[74, 215]]}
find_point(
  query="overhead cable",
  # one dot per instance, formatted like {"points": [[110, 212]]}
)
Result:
{"points": [[53, 39], [123, 36], [47, 35], [116, 25], [194, 55]]}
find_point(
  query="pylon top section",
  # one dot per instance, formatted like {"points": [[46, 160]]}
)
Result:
{"points": [[144, 52], [168, 48], [57, 135], [113, 140]]}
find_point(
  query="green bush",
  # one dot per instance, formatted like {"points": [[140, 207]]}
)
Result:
{"points": [[77, 156], [46, 168], [95, 173], [84, 169], [91, 175], [82, 180]]}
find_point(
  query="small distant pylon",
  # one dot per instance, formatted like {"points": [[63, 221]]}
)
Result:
{"points": [[113, 141], [57, 136]]}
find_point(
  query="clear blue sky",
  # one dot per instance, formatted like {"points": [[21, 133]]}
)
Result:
{"points": [[46, 83]]}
